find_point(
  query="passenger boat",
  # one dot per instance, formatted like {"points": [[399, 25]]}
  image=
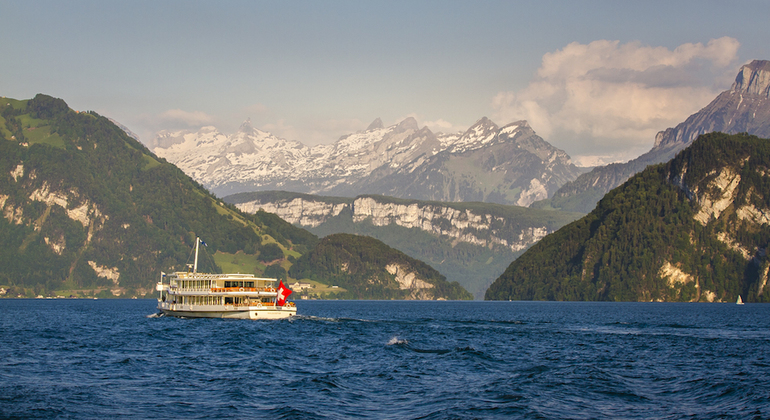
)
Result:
{"points": [[202, 295]]}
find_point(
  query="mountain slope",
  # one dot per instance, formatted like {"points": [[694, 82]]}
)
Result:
{"points": [[693, 229], [745, 108], [509, 165], [85, 206], [471, 243], [368, 269]]}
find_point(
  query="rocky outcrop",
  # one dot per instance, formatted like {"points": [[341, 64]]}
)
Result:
{"points": [[753, 79], [77, 208], [744, 108], [409, 280], [111, 273], [720, 192], [462, 225], [298, 211]]}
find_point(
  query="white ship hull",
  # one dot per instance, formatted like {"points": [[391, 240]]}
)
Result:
{"points": [[226, 311]]}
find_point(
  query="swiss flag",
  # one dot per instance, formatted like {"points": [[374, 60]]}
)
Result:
{"points": [[283, 293]]}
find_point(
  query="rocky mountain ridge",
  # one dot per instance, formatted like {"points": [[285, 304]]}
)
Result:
{"points": [[508, 165], [462, 225], [745, 107], [470, 243]]}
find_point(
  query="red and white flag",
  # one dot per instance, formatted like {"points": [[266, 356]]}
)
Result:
{"points": [[283, 293]]}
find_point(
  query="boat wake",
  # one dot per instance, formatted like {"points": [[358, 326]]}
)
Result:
{"points": [[395, 341], [155, 315], [312, 318], [327, 319]]}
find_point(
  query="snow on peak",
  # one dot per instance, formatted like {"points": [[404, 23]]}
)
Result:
{"points": [[513, 127]]}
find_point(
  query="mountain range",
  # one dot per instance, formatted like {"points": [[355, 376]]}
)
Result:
{"points": [[744, 108], [486, 163], [87, 210]]}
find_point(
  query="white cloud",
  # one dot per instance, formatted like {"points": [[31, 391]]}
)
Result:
{"points": [[191, 119], [438, 126], [443, 126], [609, 98], [256, 109], [315, 132]]}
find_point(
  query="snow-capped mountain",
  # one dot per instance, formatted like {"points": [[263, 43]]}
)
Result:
{"points": [[508, 165]]}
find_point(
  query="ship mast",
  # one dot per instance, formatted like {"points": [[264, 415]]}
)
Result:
{"points": [[197, 242]]}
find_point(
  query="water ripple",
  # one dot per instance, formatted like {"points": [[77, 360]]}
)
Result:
{"points": [[412, 360]]}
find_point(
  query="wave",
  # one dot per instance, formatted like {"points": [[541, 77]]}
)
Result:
{"points": [[327, 319]]}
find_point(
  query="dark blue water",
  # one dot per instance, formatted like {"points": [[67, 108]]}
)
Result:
{"points": [[398, 360]]}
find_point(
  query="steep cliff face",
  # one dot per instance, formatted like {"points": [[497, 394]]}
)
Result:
{"points": [[509, 165], [460, 225], [694, 229], [744, 108], [470, 243]]}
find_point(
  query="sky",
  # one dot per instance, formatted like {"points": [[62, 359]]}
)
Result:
{"points": [[597, 79]]}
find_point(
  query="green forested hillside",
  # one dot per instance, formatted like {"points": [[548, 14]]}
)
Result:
{"points": [[85, 206], [693, 229], [368, 269]]}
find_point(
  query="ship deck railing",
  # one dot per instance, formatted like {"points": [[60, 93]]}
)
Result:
{"points": [[223, 289], [240, 289], [205, 276]]}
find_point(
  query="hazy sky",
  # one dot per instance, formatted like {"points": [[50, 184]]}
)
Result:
{"points": [[591, 77]]}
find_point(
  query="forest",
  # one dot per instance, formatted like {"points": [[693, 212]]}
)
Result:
{"points": [[358, 264], [139, 215], [617, 252]]}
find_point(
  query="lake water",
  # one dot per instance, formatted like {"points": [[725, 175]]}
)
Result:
{"points": [[396, 360]]}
